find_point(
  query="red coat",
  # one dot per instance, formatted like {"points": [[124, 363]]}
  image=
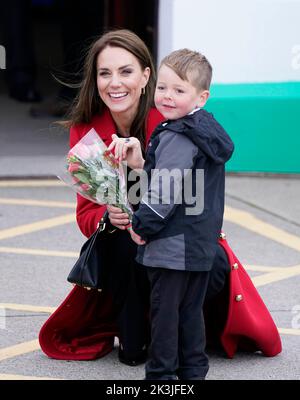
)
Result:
{"points": [[83, 326], [249, 324]]}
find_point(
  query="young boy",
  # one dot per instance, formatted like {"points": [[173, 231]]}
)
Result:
{"points": [[181, 236]]}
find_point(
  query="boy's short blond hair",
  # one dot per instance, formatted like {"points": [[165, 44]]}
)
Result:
{"points": [[190, 66]]}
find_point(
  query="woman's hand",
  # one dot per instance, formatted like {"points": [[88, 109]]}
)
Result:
{"points": [[120, 220], [135, 237], [128, 149], [117, 217]]}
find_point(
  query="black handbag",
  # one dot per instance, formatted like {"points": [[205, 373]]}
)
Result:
{"points": [[91, 268]]}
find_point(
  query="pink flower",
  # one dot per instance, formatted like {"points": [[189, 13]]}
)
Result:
{"points": [[85, 187], [73, 167]]}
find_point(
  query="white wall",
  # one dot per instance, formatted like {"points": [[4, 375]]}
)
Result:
{"points": [[245, 40]]}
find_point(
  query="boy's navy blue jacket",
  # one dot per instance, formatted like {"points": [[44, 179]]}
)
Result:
{"points": [[181, 232]]}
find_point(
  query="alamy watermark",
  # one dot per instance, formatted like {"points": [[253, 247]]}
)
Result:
{"points": [[162, 189], [2, 57], [295, 63]]}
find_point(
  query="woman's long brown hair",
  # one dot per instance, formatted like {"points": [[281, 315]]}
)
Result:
{"points": [[88, 103]]}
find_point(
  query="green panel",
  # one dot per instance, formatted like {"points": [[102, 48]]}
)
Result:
{"points": [[263, 122]]}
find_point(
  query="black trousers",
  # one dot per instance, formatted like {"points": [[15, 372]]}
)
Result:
{"points": [[177, 325], [127, 281]]}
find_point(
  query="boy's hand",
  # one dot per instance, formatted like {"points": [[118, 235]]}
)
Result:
{"points": [[135, 237]]}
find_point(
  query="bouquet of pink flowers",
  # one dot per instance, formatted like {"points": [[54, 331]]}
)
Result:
{"points": [[93, 172]]}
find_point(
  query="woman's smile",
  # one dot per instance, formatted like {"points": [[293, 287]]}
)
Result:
{"points": [[118, 95]]}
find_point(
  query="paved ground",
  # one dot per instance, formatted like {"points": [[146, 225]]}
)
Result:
{"points": [[39, 242]]}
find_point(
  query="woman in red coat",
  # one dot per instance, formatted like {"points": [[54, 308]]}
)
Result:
{"points": [[116, 98]]}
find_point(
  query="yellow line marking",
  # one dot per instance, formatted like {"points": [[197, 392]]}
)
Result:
{"points": [[274, 276], [39, 252], [258, 268], [289, 331], [19, 349], [32, 183], [28, 347], [250, 222], [28, 307], [11, 377], [37, 226], [37, 203]]}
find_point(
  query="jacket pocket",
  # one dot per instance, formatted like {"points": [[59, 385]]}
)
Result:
{"points": [[166, 252]]}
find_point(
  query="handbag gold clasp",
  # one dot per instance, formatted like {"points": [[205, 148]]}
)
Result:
{"points": [[102, 225]]}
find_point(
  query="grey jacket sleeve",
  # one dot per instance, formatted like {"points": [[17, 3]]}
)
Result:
{"points": [[174, 158]]}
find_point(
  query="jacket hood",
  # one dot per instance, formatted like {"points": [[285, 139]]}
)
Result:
{"points": [[206, 133]]}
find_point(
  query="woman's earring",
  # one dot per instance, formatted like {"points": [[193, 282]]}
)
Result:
{"points": [[143, 90]]}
